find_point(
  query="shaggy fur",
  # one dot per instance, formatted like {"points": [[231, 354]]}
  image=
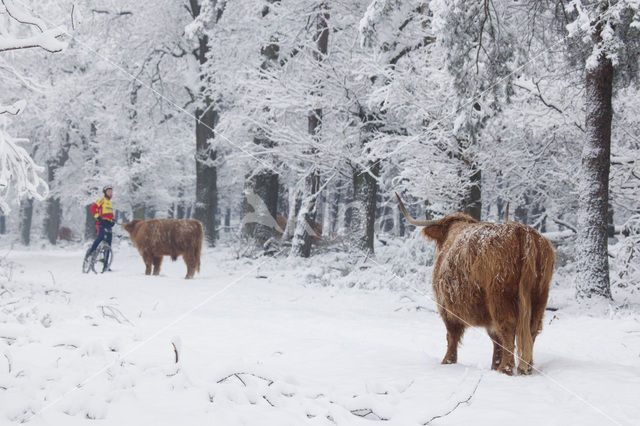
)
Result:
{"points": [[155, 238], [494, 276]]}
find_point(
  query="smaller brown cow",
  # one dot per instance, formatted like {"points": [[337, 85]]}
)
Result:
{"points": [[155, 238]]}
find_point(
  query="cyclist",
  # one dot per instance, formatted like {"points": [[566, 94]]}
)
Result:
{"points": [[103, 212]]}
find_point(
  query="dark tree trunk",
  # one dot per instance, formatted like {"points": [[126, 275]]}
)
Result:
{"points": [[593, 264], [259, 207], [53, 219], [139, 211], [206, 205], [89, 225], [302, 246], [26, 215], [227, 220], [400, 221], [180, 210], [206, 173], [365, 188], [260, 200], [473, 201], [54, 210], [305, 231], [3, 224], [611, 229]]}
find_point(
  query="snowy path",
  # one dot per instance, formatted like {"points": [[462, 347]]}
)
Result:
{"points": [[302, 353]]}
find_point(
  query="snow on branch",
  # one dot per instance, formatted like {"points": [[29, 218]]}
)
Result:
{"points": [[47, 39], [376, 11], [18, 172], [14, 109]]}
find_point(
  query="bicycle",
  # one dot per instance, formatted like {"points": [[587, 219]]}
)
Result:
{"points": [[103, 254]]}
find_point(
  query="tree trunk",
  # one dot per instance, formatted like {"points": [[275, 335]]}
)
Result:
{"points": [[335, 202], [259, 206], [53, 219], [473, 201], [89, 225], [593, 263], [306, 218], [206, 205], [26, 215], [302, 243], [139, 211], [206, 173], [54, 210], [3, 224], [365, 189], [227, 220]]}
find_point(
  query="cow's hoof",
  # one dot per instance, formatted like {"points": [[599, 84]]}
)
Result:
{"points": [[507, 369], [448, 361], [525, 371]]}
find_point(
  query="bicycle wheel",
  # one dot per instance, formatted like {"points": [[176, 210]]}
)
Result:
{"points": [[106, 256], [87, 263]]}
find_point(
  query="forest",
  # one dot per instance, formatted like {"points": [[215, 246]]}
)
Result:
{"points": [[288, 131], [244, 113]]}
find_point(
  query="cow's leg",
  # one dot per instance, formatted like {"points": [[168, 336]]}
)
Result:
{"points": [[497, 348], [455, 330], [148, 262], [537, 312], [190, 262], [157, 261], [507, 333]]}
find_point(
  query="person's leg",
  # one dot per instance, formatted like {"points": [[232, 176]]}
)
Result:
{"points": [[108, 238], [97, 241]]}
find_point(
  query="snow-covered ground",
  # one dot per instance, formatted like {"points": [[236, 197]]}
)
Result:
{"points": [[262, 342]]}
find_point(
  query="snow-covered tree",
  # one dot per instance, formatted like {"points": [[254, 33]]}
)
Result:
{"points": [[18, 172], [610, 41]]}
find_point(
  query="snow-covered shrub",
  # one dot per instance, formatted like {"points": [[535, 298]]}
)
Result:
{"points": [[625, 264]]}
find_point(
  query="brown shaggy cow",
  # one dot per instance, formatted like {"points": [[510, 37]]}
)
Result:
{"points": [[491, 275], [155, 238]]}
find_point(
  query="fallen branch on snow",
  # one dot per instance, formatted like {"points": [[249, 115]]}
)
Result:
{"points": [[369, 414], [114, 313], [466, 401], [237, 376], [175, 350]]}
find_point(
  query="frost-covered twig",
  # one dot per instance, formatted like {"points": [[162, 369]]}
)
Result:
{"points": [[458, 404], [13, 109], [18, 172], [47, 39], [368, 413], [8, 363], [237, 376], [565, 224], [114, 313], [175, 349]]}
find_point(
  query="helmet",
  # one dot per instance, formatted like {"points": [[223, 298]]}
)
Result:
{"points": [[104, 189]]}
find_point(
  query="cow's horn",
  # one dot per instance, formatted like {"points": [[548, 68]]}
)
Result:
{"points": [[413, 221]]}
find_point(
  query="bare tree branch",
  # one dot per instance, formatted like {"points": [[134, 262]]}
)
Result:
{"points": [[466, 401]]}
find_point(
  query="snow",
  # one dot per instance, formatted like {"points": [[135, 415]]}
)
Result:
{"points": [[46, 40], [263, 342]]}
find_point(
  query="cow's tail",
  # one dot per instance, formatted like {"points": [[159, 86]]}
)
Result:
{"points": [[528, 279]]}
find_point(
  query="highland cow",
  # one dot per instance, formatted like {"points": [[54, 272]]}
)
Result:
{"points": [[491, 275], [155, 238]]}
